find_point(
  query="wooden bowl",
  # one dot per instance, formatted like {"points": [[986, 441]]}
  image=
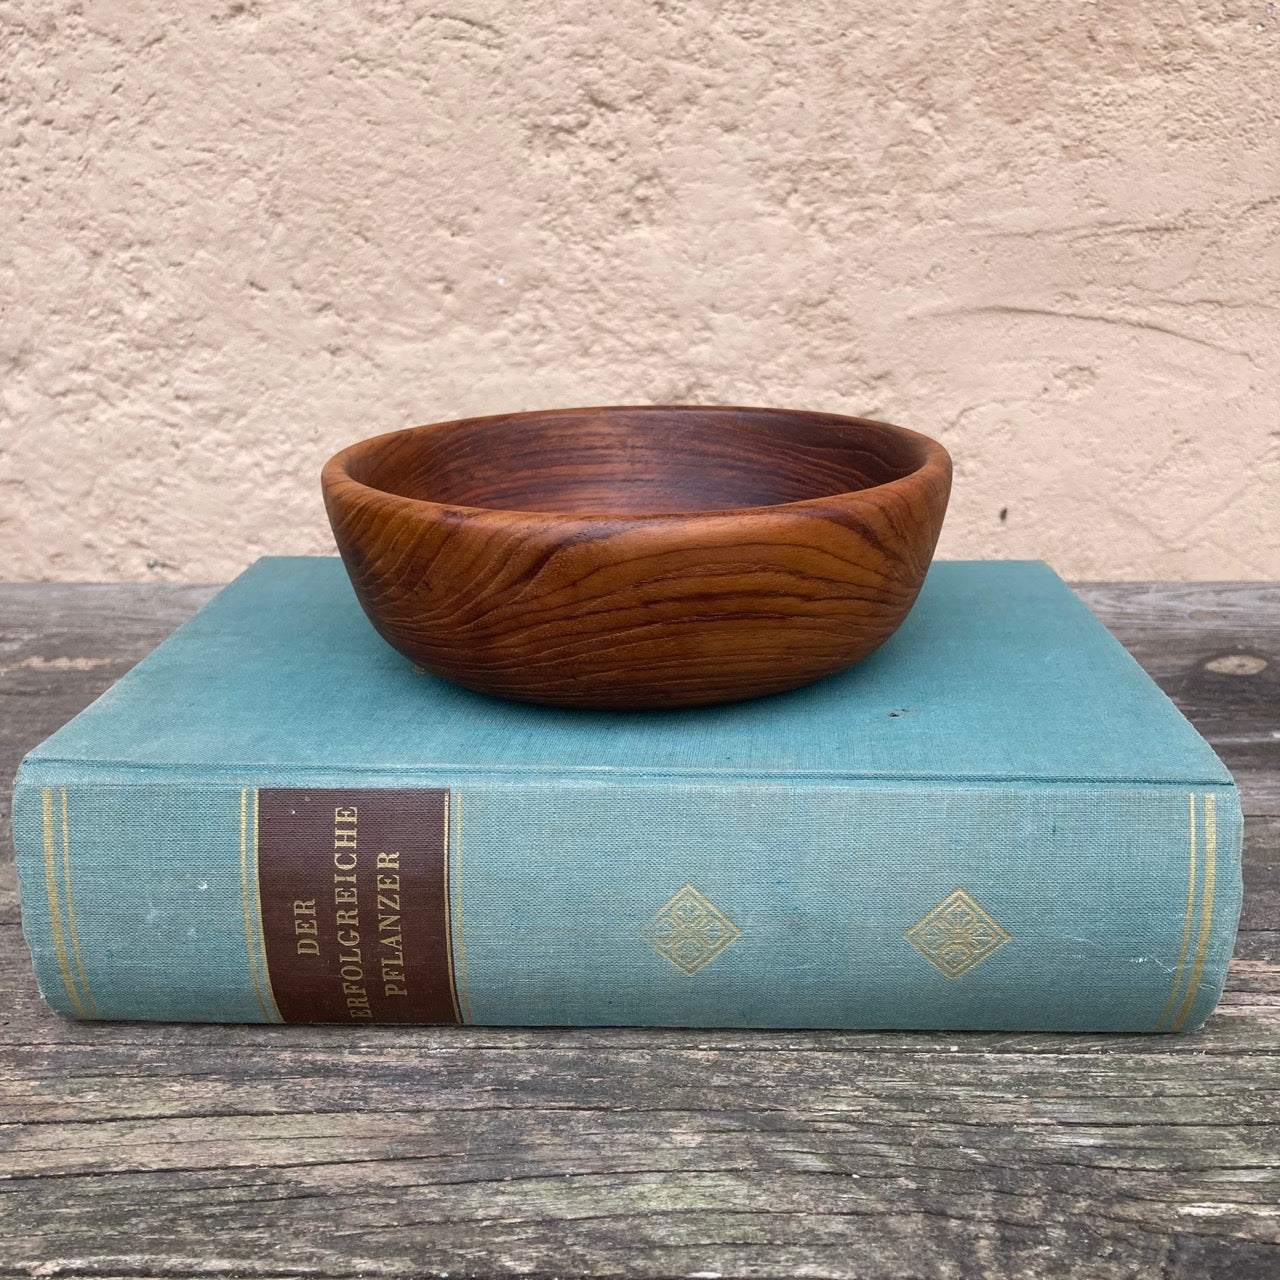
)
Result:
{"points": [[664, 556]]}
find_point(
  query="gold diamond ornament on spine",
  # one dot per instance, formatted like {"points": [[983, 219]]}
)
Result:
{"points": [[689, 930], [957, 935]]}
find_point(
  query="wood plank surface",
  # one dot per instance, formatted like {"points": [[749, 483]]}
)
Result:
{"points": [[138, 1150]]}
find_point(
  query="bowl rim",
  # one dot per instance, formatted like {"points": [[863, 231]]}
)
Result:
{"points": [[335, 474]]}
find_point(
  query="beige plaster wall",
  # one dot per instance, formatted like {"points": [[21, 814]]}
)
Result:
{"points": [[238, 234]]}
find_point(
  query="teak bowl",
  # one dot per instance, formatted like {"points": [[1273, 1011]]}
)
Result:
{"points": [[661, 556]]}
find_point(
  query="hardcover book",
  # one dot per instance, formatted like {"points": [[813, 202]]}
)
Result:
{"points": [[995, 821]]}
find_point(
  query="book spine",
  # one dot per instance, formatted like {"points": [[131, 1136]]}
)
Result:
{"points": [[627, 901]]}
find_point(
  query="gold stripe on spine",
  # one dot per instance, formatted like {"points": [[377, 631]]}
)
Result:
{"points": [[251, 943], [55, 910], [460, 959], [71, 911], [256, 885], [448, 912], [1186, 923], [1206, 907]]}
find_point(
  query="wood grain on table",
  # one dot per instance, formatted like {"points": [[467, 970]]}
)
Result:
{"points": [[172, 1150]]}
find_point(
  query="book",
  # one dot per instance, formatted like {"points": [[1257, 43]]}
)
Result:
{"points": [[996, 821]]}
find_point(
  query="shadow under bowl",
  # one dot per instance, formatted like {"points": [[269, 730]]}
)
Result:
{"points": [[631, 557]]}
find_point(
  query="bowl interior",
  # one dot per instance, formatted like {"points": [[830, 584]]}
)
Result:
{"points": [[638, 461]]}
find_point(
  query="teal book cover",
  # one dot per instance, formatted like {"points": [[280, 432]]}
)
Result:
{"points": [[996, 821]]}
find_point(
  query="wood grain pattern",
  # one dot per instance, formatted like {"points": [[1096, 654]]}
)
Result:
{"points": [[168, 1150], [639, 557]]}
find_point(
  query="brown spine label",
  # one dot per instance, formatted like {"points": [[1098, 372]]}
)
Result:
{"points": [[355, 904]]}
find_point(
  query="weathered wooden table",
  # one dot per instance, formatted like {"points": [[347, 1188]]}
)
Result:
{"points": [[130, 1150]]}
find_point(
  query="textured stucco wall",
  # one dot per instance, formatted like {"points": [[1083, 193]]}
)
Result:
{"points": [[239, 234]]}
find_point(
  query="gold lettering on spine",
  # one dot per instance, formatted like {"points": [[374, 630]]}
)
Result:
{"points": [[346, 858], [453, 882], [1206, 907], [71, 911], [254, 941], [55, 911], [1186, 923]]}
